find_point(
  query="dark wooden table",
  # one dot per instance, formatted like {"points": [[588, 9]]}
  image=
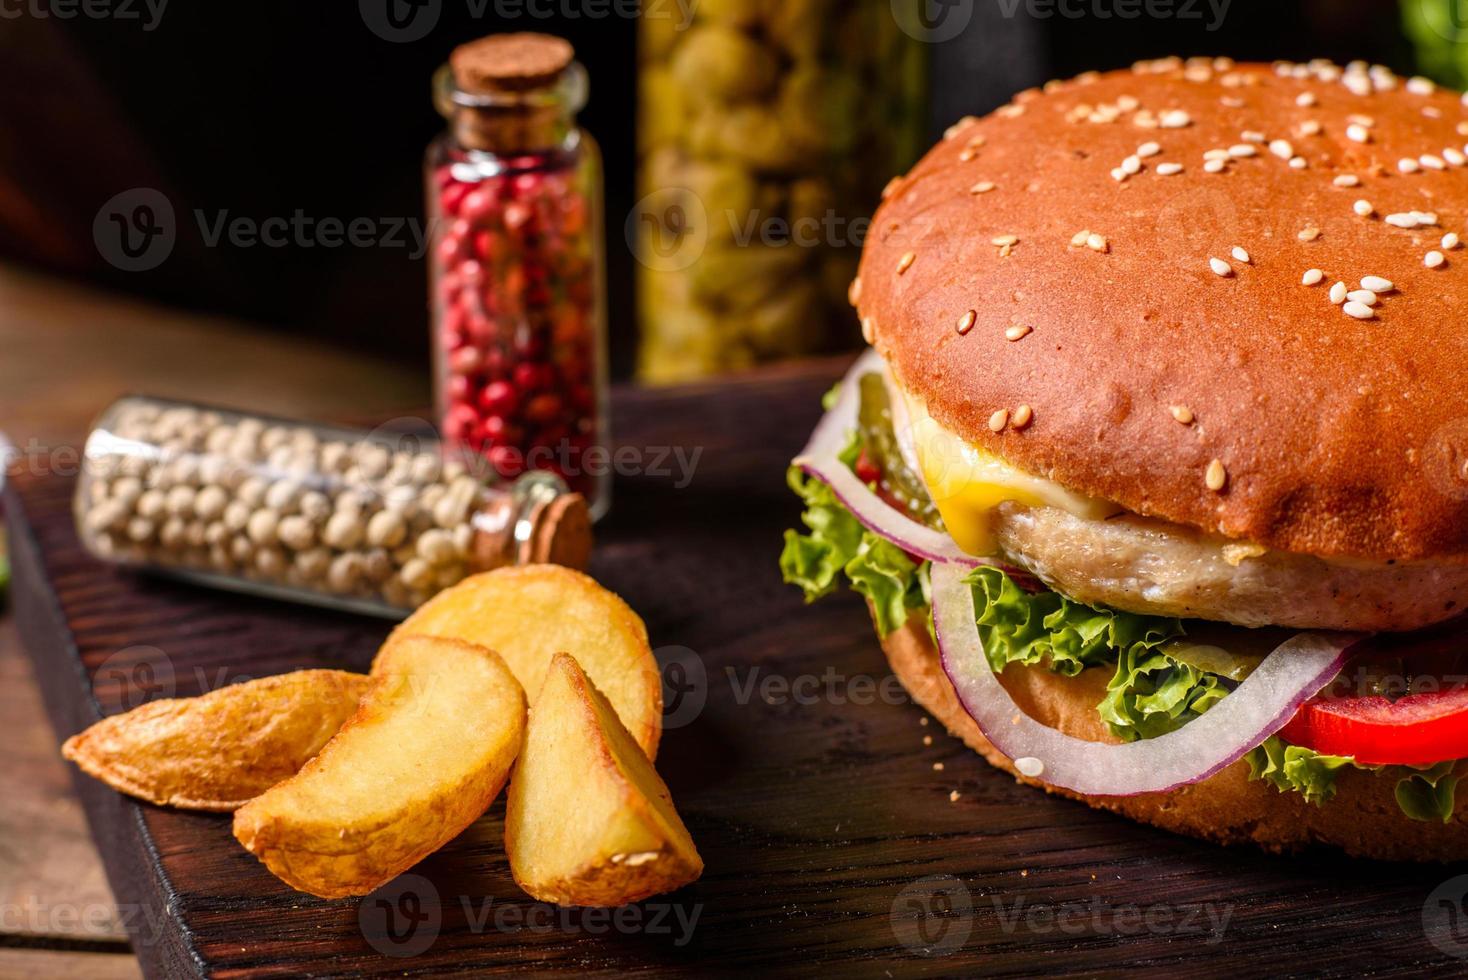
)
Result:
{"points": [[831, 839]]}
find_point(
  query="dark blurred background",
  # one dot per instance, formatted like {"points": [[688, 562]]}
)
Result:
{"points": [[269, 108]]}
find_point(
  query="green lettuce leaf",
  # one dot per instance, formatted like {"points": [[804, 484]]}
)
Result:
{"points": [[1152, 694], [1292, 768], [1429, 794], [838, 546], [1045, 627]]}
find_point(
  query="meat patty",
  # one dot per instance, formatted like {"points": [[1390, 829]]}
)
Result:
{"points": [[1148, 566]]}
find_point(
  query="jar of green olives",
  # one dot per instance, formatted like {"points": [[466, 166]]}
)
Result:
{"points": [[767, 131]]}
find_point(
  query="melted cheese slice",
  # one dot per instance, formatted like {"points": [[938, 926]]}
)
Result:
{"points": [[967, 484]]}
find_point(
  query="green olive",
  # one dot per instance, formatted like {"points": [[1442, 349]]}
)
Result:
{"points": [[721, 64]]}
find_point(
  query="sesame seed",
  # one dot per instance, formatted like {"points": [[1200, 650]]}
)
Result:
{"points": [[1214, 166], [999, 420], [1408, 166], [1357, 119], [1377, 284], [1132, 164], [1018, 332], [1243, 150], [1362, 296], [982, 187], [1078, 240], [905, 263], [1310, 127], [1097, 243], [1305, 100], [1309, 234], [959, 127], [1252, 136], [1149, 149], [967, 154], [938, 766], [1029, 766], [1454, 157], [1363, 208], [1298, 163], [953, 796], [1432, 162], [966, 322], [1347, 180], [1283, 149], [1434, 259], [1220, 267], [1338, 293], [927, 740], [853, 292], [1175, 119], [1239, 253], [1450, 241], [1217, 476], [1360, 311], [1418, 85], [1001, 241], [891, 187], [1358, 133], [1183, 414], [1215, 154], [1023, 416], [1119, 175], [1402, 220], [1168, 169], [1312, 277], [868, 330]]}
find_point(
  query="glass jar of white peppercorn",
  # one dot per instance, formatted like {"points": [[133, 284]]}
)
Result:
{"points": [[375, 522]]}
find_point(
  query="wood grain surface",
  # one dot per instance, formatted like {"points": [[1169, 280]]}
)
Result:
{"points": [[831, 840]]}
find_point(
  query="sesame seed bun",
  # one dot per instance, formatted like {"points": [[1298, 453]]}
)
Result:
{"points": [[1177, 363], [1363, 819]]}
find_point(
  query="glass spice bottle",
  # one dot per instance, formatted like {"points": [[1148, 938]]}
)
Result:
{"points": [[373, 522], [517, 270]]}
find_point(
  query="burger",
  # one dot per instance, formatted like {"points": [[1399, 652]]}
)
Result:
{"points": [[1155, 475]]}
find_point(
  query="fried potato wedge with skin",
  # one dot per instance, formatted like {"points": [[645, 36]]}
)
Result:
{"points": [[589, 822], [222, 749], [427, 751], [530, 613]]}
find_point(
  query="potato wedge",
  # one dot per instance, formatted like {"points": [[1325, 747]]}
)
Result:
{"points": [[221, 750], [529, 614], [426, 753], [589, 822]]}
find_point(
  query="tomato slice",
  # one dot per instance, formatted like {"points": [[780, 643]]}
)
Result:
{"points": [[1417, 730]]}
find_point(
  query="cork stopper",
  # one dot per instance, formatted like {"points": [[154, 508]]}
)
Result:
{"points": [[562, 533], [510, 62]]}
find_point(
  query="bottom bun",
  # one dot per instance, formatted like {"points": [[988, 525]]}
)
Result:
{"points": [[1363, 818]]}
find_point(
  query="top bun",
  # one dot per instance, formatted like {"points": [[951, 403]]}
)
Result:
{"points": [[1164, 371]]}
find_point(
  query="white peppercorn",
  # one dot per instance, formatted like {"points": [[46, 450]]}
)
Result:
{"points": [[140, 529], [282, 495], [296, 532], [210, 502], [436, 547], [417, 574], [315, 506], [236, 515], [270, 562], [151, 504], [312, 564], [173, 533], [386, 529], [343, 531], [344, 572], [262, 527]]}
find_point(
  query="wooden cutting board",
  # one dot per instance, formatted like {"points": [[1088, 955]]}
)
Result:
{"points": [[826, 822]]}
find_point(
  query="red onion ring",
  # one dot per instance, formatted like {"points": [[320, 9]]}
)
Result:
{"points": [[820, 459], [1258, 708]]}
